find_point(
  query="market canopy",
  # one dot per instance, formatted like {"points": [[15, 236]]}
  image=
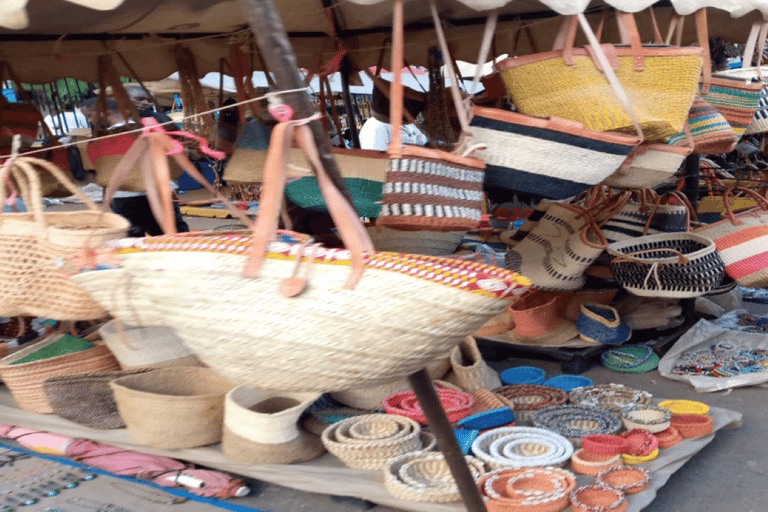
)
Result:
{"points": [[49, 39]]}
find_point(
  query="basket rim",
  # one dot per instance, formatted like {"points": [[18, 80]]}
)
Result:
{"points": [[6, 366], [614, 249]]}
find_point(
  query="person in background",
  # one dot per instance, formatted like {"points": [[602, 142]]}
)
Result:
{"points": [[63, 122], [134, 206], [376, 132]]}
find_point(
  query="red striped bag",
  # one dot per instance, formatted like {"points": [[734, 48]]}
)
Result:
{"points": [[742, 240]]}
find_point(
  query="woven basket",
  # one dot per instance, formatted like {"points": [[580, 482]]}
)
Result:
{"points": [[147, 347], [425, 476], [596, 497], [521, 447], [86, 399], [531, 489], [31, 243], [629, 480], [468, 369], [675, 265], [26, 380], [172, 408], [529, 398], [612, 397]]}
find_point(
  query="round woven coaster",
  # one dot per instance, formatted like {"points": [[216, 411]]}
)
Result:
{"points": [[529, 398], [692, 425], [523, 375], [685, 406], [630, 359], [534, 489], [613, 397]]}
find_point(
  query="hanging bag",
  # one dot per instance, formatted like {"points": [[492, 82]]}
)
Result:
{"points": [[661, 83], [427, 189], [742, 240]]}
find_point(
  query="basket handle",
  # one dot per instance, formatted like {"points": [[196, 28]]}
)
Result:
{"points": [[350, 228], [682, 259], [727, 197]]}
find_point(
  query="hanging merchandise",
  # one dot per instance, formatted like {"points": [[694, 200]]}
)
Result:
{"points": [[710, 131], [192, 95], [661, 83], [289, 292], [428, 189], [558, 249], [674, 265], [742, 239], [735, 95]]}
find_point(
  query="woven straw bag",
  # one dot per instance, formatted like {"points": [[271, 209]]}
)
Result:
{"points": [[710, 131], [429, 243], [86, 399], [31, 242], [741, 240], [365, 332], [647, 214], [146, 347], [26, 380], [468, 369], [172, 408], [649, 165], [427, 189], [675, 265], [660, 82]]}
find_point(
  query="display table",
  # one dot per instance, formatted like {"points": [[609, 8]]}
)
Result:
{"points": [[314, 476]]}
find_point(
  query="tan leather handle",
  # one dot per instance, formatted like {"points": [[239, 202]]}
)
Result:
{"points": [[727, 196], [396, 90]]}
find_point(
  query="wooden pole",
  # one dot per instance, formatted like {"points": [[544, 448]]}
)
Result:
{"points": [[268, 29]]}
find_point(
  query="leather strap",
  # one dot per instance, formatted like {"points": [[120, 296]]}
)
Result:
{"points": [[485, 46], [396, 91]]}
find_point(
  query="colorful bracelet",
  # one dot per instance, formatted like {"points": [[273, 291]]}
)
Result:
{"points": [[597, 498], [605, 444], [629, 480], [590, 463], [649, 417], [640, 442], [668, 438], [685, 406], [633, 459], [692, 425]]}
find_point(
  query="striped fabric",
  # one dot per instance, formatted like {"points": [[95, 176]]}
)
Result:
{"points": [[20, 119], [736, 98], [759, 123], [710, 132], [629, 222], [427, 194], [541, 161]]}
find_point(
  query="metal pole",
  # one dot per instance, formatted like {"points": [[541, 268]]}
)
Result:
{"points": [[268, 29], [446, 440]]}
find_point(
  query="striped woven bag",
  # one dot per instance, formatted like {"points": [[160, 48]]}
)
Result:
{"points": [[427, 189], [710, 131]]}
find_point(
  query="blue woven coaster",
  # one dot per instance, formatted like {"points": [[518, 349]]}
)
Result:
{"points": [[523, 375], [465, 438], [568, 382], [488, 419]]}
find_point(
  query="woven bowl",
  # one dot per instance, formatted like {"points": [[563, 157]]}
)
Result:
{"points": [[318, 420], [640, 443], [529, 398], [633, 459], [577, 421], [629, 480], [485, 400], [529, 447], [527, 489], [590, 498], [605, 444], [590, 463], [649, 417], [668, 438], [684, 407], [692, 425], [568, 382], [613, 397], [425, 476], [523, 375]]}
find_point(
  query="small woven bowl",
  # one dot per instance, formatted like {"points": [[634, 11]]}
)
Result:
{"points": [[568, 382], [668, 438], [425, 476], [529, 398], [523, 375], [614, 397], [591, 498], [685, 407], [692, 425], [605, 444], [524, 489], [649, 417], [629, 480], [640, 443], [634, 459], [590, 463]]}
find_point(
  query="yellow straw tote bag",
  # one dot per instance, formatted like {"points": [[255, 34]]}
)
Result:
{"points": [[300, 317], [567, 82]]}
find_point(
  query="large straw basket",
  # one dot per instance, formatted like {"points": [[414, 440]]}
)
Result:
{"points": [[172, 408], [32, 242], [431, 243], [25, 380], [146, 347]]}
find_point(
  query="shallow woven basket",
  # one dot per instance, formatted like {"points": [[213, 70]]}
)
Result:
{"points": [[173, 408], [595, 497], [627, 479], [86, 399], [146, 347], [26, 380], [425, 476]]}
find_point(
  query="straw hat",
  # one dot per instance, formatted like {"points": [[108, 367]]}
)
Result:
{"points": [[261, 427], [538, 320]]}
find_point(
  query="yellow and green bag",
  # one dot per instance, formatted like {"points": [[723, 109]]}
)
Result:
{"points": [[661, 82]]}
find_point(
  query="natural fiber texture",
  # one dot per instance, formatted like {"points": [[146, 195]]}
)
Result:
{"points": [[538, 320], [550, 158], [650, 165], [759, 123], [430, 243], [661, 91], [669, 437], [612, 397], [684, 407], [146, 347], [173, 408], [634, 459], [530, 398], [456, 405], [597, 498], [710, 131], [523, 375], [568, 382], [261, 427], [318, 420], [425, 476], [484, 400], [602, 324], [590, 463], [736, 98], [339, 351], [630, 359], [370, 397], [494, 418], [629, 480], [676, 265], [368, 442], [604, 444], [468, 369], [86, 399], [640, 442], [26, 380], [577, 421], [741, 241], [518, 447], [31, 242], [692, 425], [531, 489], [558, 249], [631, 221], [579, 297]]}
